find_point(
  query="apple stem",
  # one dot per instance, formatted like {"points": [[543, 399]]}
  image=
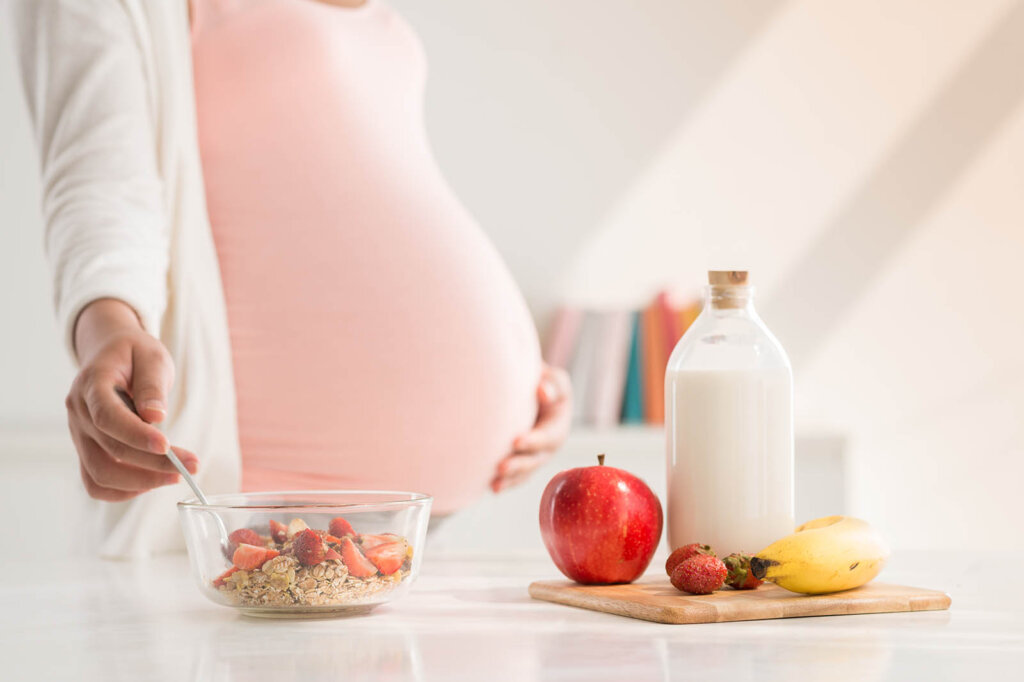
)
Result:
{"points": [[600, 460]]}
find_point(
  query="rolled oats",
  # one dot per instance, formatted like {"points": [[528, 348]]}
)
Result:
{"points": [[283, 580]]}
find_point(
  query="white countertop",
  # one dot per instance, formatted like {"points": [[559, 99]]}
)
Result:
{"points": [[471, 619]]}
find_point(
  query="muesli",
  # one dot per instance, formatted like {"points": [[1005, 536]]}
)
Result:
{"points": [[295, 565]]}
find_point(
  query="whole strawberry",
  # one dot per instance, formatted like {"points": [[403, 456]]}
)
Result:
{"points": [[685, 552], [739, 575], [309, 548], [700, 574]]}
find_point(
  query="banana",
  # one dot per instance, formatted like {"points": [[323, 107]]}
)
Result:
{"points": [[829, 554]]}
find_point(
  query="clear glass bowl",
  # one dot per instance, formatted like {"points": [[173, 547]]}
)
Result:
{"points": [[358, 570]]}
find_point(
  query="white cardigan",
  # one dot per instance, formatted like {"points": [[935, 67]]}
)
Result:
{"points": [[109, 90]]}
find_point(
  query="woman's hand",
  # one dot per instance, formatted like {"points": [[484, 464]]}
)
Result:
{"points": [[120, 454], [530, 450]]}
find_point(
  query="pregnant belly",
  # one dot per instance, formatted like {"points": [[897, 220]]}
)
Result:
{"points": [[388, 348], [378, 340]]}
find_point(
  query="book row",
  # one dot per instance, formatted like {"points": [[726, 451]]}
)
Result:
{"points": [[617, 358]]}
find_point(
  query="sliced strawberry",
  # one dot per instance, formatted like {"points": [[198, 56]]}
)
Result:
{"points": [[278, 531], [330, 538], [368, 541], [358, 565], [309, 548], [331, 554], [388, 557], [246, 535], [339, 527], [250, 557], [219, 580]]}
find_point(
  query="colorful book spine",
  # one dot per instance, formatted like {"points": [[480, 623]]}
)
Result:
{"points": [[617, 359], [670, 322], [561, 340], [581, 368], [654, 365], [633, 395], [608, 375]]}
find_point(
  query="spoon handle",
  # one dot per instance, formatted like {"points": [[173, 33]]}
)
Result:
{"points": [[186, 475]]}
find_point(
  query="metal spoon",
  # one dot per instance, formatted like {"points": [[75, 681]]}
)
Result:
{"points": [[225, 543]]}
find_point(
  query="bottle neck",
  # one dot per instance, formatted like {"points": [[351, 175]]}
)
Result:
{"points": [[729, 300]]}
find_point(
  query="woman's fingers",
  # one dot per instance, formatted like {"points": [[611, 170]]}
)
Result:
{"points": [[111, 416], [514, 465], [515, 469], [535, 447], [106, 473], [188, 458], [502, 483], [554, 386], [94, 489], [98, 492], [142, 459], [548, 434], [554, 414]]}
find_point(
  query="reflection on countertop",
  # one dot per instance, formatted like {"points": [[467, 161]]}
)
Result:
{"points": [[469, 618]]}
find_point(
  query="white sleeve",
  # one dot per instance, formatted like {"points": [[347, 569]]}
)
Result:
{"points": [[94, 119]]}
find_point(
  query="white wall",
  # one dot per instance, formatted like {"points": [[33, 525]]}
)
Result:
{"points": [[542, 113], [862, 158]]}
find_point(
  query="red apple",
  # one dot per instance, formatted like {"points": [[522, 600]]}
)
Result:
{"points": [[600, 524]]}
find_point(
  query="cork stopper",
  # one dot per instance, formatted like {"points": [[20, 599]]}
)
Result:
{"points": [[723, 291], [727, 278]]}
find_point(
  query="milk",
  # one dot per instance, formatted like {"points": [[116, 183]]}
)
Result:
{"points": [[729, 427], [730, 472]]}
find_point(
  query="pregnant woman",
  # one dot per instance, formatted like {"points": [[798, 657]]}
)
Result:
{"points": [[251, 237]]}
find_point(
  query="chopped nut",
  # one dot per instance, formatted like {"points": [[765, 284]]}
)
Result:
{"points": [[295, 527]]}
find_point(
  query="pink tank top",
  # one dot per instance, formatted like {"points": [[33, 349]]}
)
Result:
{"points": [[378, 340]]}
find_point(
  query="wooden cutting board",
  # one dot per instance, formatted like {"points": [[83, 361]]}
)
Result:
{"points": [[656, 600]]}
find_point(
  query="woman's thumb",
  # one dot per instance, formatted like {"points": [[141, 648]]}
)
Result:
{"points": [[152, 373]]}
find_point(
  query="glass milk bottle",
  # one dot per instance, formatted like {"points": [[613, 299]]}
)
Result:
{"points": [[729, 425]]}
